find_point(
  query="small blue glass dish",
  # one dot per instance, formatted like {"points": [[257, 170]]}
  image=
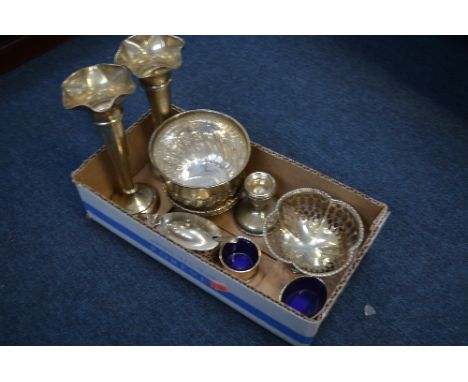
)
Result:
{"points": [[307, 295], [241, 258]]}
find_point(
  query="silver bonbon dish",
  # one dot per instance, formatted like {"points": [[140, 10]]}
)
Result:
{"points": [[315, 233]]}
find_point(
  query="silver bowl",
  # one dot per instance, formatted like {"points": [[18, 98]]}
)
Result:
{"points": [[315, 233], [201, 156]]}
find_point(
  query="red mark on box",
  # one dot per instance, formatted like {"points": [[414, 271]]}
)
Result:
{"points": [[218, 286]]}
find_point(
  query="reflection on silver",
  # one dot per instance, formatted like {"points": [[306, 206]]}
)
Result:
{"points": [[152, 59], [201, 155], [260, 185], [226, 239], [200, 150], [97, 87], [100, 89], [251, 212], [318, 235], [188, 230], [223, 206], [147, 56]]}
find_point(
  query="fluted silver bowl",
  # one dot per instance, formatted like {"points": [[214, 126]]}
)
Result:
{"points": [[315, 233], [201, 156]]}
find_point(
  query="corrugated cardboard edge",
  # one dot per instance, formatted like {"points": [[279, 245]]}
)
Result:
{"points": [[321, 175]]}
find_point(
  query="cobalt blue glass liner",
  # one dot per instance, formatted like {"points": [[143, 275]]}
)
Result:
{"points": [[307, 295], [240, 256]]}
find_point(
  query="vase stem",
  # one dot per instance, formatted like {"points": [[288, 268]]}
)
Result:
{"points": [[158, 91], [111, 127]]}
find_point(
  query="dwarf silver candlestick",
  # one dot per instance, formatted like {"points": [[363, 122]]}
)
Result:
{"points": [[251, 212]]}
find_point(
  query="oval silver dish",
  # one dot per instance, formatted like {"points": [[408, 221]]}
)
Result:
{"points": [[188, 230]]}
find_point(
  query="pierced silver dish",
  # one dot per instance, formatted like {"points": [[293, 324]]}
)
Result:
{"points": [[201, 156], [315, 233]]}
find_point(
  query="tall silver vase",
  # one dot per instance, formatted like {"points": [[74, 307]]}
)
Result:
{"points": [[152, 59], [100, 90]]}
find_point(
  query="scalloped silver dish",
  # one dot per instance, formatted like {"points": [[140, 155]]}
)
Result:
{"points": [[315, 233]]}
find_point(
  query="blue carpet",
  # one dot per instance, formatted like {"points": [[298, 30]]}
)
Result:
{"points": [[386, 115]]}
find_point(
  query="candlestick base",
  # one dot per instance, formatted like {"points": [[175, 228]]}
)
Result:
{"points": [[251, 212], [144, 200], [251, 220]]}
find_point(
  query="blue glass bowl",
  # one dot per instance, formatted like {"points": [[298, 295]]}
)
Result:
{"points": [[307, 295], [241, 258]]}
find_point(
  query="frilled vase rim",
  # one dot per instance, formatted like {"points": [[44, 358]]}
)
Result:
{"points": [[127, 86], [149, 69]]}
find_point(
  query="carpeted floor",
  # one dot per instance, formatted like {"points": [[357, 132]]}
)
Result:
{"points": [[386, 115]]}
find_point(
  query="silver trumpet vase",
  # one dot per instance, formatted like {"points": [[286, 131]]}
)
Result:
{"points": [[152, 59], [100, 90]]}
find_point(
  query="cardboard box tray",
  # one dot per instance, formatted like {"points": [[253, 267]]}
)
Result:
{"points": [[257, 299]]}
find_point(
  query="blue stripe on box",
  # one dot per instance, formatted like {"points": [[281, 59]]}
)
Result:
{"points": [[192, 273]]}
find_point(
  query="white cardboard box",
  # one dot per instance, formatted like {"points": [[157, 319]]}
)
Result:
{"points": [[258, 299]]}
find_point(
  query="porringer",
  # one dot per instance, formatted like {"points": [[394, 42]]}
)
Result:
{"points": [[201, 156]]}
